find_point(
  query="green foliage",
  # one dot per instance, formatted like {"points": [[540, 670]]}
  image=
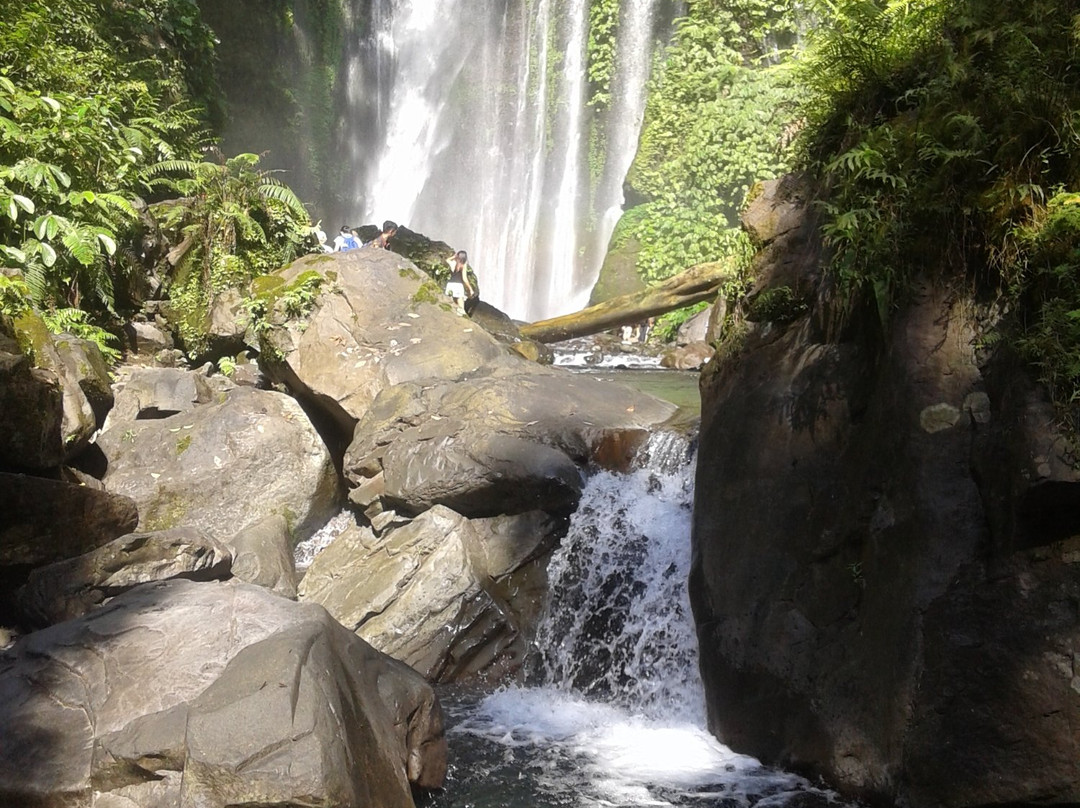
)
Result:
{"points": [[234, 222], [714, 125], [272, 300], [92, 91], [14, 296], [77, 323], [603, 29], [666, 328], [776, 305], [939, 130], [1049, 287]]}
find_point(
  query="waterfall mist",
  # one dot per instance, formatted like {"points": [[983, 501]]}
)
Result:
{"points": [[469, 121]]}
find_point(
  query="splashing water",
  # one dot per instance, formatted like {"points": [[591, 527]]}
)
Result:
{"points": [[616, 711]]}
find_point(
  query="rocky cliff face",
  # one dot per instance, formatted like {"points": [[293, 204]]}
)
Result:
{"points": [[886, 536]]}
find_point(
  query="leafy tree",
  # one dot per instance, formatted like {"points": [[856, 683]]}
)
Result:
{"points": [[234, 222]]}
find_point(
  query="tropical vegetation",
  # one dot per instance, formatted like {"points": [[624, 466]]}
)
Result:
{"points": [[721, 100], [105, 107], [944, 135]]}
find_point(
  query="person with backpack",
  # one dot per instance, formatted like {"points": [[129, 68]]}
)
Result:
{"points": [[345, 240]]}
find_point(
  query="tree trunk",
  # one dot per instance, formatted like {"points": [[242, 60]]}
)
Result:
{"points": [[685, 289]]}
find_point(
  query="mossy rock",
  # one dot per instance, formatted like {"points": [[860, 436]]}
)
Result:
{"points": [[619, 273]]}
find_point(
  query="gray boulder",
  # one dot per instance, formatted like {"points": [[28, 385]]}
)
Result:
{"points": [[81, 369], [229, 320], [224, 467], [506, 443], [212, 694], [43, 521], [71, 588], [148, 393], [81, 365], [147, 339], [688, 357], [263, 555], [419, 594], [378, 321], [696, 329], [31, 413], [81, 375]]}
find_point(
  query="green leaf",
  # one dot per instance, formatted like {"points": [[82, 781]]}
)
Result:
{"points": [[48, 254], [13, 252]]}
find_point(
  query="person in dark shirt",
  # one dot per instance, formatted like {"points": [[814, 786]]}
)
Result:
{"points": [[458, 287]]}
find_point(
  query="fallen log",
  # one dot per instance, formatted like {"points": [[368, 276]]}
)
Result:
{"points": [[698, 283]]}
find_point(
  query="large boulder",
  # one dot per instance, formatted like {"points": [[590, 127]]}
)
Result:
{"points": [[44, 521], [883, 545], [31, 413], [146, 393], [71, 588], [54, 394], [212, 694], [426, 592], [378, 321], [82, 374], [508, 442], [224, 467], [263, 555]]}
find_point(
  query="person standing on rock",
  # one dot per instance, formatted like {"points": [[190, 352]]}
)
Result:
{"points": [[382, 241], [458, 287], [345, 240]]}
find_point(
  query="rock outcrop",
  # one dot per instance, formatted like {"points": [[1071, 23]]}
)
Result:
{"points": [[224, 467], [53, 396], [69, 589], [212, 694], [428, 592], [43, 521], [885, 572], [379, 321], [504, 443], [263, 555]]}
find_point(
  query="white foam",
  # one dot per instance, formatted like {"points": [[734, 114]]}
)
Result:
{"points": [[620, 758], [309, 548]]}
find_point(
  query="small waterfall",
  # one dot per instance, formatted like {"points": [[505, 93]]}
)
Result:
{"points": [[614, 713], [468, 120], [618, 624]]}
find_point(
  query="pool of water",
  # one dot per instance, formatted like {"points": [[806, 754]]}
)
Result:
{"points": [[680, 387], [540, 748]]}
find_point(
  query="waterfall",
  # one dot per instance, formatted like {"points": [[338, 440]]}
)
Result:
{"points": [[468, 120], [614, 713]]}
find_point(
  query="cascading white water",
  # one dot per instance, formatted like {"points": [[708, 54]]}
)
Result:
{"points": [[615, 714], [469, 123]]}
